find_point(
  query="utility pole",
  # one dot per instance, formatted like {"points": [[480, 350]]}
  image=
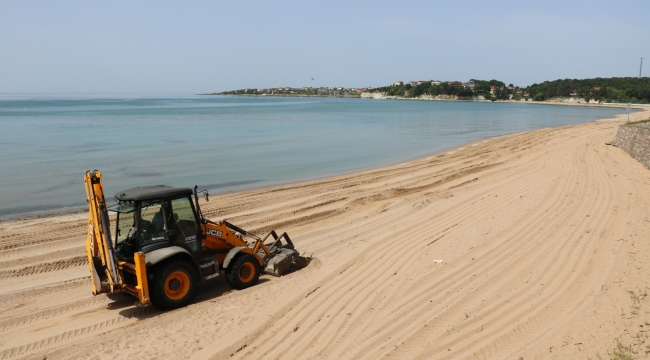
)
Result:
{"points": [[640, 68]]}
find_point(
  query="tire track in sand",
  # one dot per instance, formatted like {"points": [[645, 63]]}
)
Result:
{"points": [[45, 267], [67, 336], [333, 294], [338, 326]]}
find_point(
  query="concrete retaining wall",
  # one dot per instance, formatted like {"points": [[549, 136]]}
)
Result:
{"points": [[635, 140]]}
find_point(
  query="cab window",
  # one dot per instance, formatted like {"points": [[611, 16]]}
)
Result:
{"points": [[125, 221], [125, 226], [186, 227], [154, 222]]}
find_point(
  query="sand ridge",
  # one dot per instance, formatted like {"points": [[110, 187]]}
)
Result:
{"points": [[529, 245]]}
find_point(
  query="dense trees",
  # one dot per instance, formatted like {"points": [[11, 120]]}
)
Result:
{"points": [[628, 89], [636, 90], [466, 90]]}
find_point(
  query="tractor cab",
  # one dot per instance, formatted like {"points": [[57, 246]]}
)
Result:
{"points": [[155, 217]]}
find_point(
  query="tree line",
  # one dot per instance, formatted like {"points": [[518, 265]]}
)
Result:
{"points": [[622, 90], [480, 88], [618, 90]]}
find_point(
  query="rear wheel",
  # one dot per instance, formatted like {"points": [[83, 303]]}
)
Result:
{"points": [[174, 284], [243, 272]]}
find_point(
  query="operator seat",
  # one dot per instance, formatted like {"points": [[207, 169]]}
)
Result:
{"points": [[158, 221]]}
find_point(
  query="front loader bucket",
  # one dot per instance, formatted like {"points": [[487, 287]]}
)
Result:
{"points": [[278, 257], [285, 260]]}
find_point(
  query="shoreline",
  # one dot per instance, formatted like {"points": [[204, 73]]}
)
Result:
{"points": [[81, 210], [612, 105]]}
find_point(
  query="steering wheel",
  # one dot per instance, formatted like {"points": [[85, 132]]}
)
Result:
{"points": [[129, 240]]}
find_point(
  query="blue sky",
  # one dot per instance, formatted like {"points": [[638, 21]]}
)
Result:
{"points": [[195, 47]]}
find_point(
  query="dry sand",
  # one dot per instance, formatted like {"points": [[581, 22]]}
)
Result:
{"points": [[533, 245]]}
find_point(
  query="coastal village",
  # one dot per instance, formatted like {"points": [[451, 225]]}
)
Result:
{"points": [[323, 91], [494, 88]]}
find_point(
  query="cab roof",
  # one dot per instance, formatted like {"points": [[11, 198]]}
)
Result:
{"points": [[151, 192]]}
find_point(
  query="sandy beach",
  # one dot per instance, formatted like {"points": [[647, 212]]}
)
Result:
{"points": [[532, 245]]}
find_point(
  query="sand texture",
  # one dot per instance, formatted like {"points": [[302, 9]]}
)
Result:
{"points": [[533, 246]]}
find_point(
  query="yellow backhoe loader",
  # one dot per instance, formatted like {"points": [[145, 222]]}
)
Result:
{"points": [[163, 246]]}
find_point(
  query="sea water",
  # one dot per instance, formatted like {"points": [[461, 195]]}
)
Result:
{"points": [[231, 143]]}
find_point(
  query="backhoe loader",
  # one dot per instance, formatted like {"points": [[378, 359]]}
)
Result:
{"points": [[163, 246]]}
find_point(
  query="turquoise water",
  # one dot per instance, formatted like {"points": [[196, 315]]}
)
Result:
{"points": [[232, 143]]}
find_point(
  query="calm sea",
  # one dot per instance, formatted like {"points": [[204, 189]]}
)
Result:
{"points": [[231, 143]]}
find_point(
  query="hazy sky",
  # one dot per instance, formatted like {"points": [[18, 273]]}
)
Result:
{"points": [[195, 47]]}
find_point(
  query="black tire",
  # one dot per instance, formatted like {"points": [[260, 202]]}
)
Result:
{"points": [[174, 284], [243, 272], [228, 279]]}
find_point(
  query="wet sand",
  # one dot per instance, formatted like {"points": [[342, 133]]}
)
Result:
{"points": [[529, 245]]}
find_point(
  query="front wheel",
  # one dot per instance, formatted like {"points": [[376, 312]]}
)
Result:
{"points": [[243, 272], [174, 285]]}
